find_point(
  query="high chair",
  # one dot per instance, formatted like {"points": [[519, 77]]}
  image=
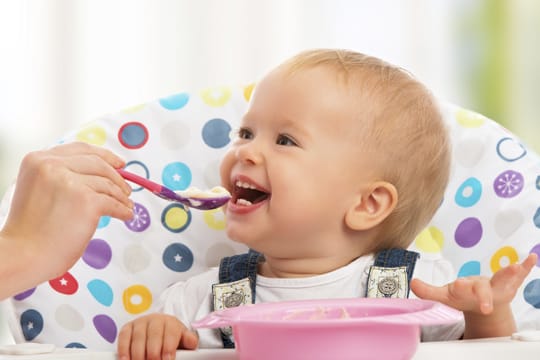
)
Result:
{"points": [[490, 217]]}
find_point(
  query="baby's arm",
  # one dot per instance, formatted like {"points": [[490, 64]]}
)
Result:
{"points": [[154, 336], [485, 302]]}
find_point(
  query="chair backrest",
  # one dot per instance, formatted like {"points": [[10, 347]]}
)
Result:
{"points": [[490, 216]]}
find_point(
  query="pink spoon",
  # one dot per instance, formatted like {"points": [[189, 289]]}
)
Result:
{"points": [[196, 202]]}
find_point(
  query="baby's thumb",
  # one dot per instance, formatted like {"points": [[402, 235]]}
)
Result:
{"points": [[424, 290], [189, 341]]}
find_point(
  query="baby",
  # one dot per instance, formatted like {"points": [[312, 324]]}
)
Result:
{"points": [[340, 160]]}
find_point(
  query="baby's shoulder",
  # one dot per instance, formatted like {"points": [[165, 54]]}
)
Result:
{"points": [[196, 284]]}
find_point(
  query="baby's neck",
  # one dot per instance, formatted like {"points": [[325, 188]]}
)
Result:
{"points": [[297, 268]]}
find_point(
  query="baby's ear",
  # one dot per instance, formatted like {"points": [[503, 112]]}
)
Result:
{"points": [[372, 206]]}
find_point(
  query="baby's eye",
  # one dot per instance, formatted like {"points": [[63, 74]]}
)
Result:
{"points": [[285, 140], [244, 133]]}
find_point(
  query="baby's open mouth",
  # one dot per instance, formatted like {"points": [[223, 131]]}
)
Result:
{"points": [[247, 194]]}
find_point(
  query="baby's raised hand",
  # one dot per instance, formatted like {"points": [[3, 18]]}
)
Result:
{"points": [[485, 302], [154, 336], [478, 293]]}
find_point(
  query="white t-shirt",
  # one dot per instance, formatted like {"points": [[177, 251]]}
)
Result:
{"points": [[192, 299]]}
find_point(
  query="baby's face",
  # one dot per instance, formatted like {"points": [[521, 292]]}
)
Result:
{"points": [[293, 168]]}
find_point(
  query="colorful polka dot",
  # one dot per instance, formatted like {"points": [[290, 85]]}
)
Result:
{"points": [[101, 291], [103, 222], [508, 184], [469, 119], [105, 327], [137, 299], [430, 240], [75, 345], [141, 219], [536, 218], [531, 293], [469, 232], [215, 219], [470, 268], [138, 168], [98, 254], [505, 256], [175, 218], [175, 135], [31, 324], [24, 294], [133, 135], [536, 250], [65, 284], [215, 133], [248, 90], [469, 152], [216, 97], [94, 134], [176, 176], [174, 102], [136, 258], [507, 222], [469, 192], [510, 149], [134, 109], [69, 318], [178, 257]]}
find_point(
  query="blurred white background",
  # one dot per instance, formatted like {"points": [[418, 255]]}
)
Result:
{"points": [[64, 62]]}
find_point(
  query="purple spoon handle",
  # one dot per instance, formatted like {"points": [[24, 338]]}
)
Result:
{"points": [[168, 194]]}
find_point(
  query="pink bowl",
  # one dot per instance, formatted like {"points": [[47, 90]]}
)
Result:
{"points": [[341, 329]]}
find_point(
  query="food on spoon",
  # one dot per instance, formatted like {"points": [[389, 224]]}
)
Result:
{"points": [[196, 193]]}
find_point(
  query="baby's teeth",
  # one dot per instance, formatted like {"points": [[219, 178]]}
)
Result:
{"points": [[245, 185], [243, 202]]}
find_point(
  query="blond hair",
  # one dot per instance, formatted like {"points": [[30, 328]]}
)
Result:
{"points": [[401, 122]]}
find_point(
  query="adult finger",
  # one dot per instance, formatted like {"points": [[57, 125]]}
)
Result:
{"points": [[106, 187], [78, 148], [89, 164]]}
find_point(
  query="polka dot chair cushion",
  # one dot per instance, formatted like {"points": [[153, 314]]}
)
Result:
{"points": [[490, 217]]}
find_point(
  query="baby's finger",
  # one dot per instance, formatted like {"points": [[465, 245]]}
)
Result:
{"points": [[172, 334], [138, 339], [484, 296], [154, 338], [428, 292], [190, 340], [511, 277], [529, 262], [124, 342]]}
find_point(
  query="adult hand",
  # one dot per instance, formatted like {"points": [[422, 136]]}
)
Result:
{"points": [[60, 195]]}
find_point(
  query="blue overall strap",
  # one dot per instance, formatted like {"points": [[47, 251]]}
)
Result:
{"points": [[235, 268], [239, 267], [395, 258]]}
